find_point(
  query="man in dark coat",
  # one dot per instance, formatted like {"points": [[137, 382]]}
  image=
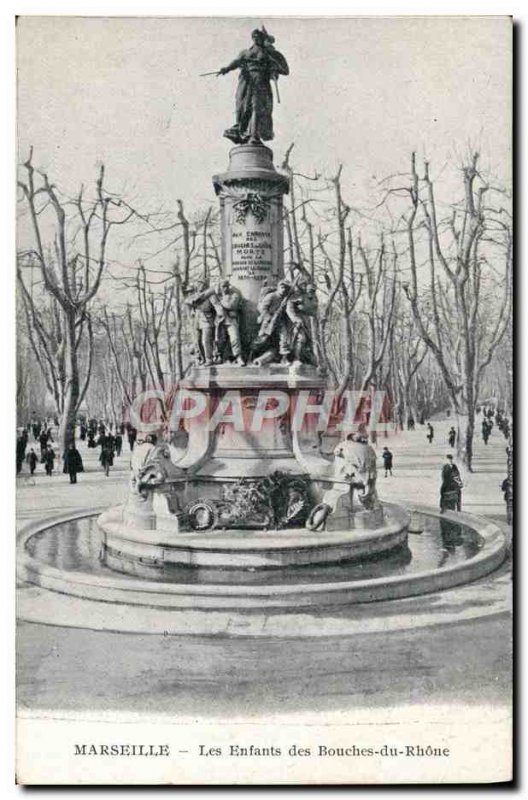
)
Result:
{"points": [[132, 436], [387, 460], [32, 461], [107, 454], [451, 488], [452, 437], [49, 460], [507, 493], [21, 444], [118, 444], [43, 441], [72, 463]]}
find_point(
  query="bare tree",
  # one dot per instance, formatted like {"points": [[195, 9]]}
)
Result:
{"points": [[463, 311], [72, 275]]}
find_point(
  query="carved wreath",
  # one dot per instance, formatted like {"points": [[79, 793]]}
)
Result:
{"points": [[255, 202], [252, 203]]}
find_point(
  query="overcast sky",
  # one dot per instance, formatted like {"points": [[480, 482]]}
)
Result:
{"points": [[362, 91]]}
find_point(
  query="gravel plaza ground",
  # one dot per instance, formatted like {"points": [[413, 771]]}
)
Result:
{"points": [[467, 661]]}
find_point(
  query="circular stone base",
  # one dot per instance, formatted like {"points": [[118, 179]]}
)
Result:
{"points": [[146, 552], [125, 590]]}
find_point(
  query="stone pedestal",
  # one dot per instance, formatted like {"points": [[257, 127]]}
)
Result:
{"points": [[233, 453], [250, 195]]}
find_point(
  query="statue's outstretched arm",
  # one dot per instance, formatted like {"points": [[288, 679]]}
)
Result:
{"points": [[236, 64]]}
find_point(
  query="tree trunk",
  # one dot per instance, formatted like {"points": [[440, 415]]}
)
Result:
{"points": [[467, 455], [72, 393]]}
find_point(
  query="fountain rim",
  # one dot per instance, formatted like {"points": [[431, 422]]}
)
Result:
{"points": [[490, 557]]}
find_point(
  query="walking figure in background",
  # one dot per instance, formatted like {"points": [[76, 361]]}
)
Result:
{"points": [[132, 436], [430, 433], [387, 460], [451, 488], [506, 490], [486, 430], [452, 437], [49, 461], [107, 454], [21, 444], [72, 463], [43, 441], [118, 443], [32, 461]]}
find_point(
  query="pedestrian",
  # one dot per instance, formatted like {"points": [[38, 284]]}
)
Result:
{"points": [[410, 423], [387, 460], [132, 436], [21, 444], [72, 463], [49, 461], [506, 490], [84, 431], [32, 461], [118, 444], [452, 437], [451, 487], [430, 433], [107, 455], [43, 441], [486, 430]]}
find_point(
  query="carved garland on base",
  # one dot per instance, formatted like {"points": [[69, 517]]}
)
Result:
{"points": [[250, 196], [277, 501]]}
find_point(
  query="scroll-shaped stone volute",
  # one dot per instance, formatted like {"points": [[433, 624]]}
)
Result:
{"points": [[355, 464]]}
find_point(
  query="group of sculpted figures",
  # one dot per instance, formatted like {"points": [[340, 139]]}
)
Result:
{"points": [[286, 318]]}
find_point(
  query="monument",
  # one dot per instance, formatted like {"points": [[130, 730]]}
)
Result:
{"points": [[247, 495]]}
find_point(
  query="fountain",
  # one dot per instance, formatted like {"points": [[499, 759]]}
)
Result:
{"points": [[249, 517]]}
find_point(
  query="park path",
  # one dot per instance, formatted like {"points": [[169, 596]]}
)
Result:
{"points": [[416, 477], [418, 464]]}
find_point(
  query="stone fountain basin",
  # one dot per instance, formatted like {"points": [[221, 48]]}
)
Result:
{"points": [[126, 589], [141, 552]]}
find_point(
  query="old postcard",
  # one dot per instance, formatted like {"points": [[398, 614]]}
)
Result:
{"points": [[264, 453]]}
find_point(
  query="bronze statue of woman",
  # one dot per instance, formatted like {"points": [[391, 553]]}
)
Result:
{"points": [[259, 65]]}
